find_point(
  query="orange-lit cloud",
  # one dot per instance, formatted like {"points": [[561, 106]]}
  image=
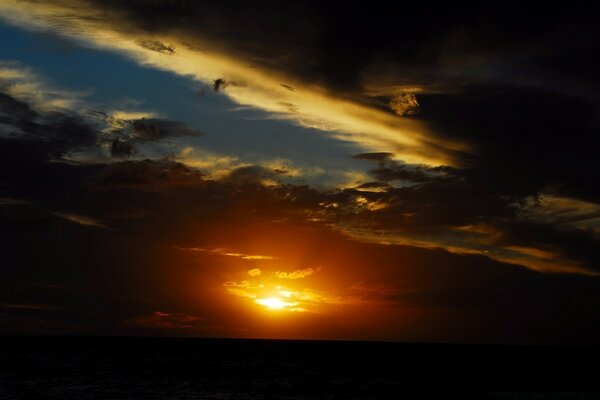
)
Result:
{"points": [[229, 253], [297, 274], [254, 272]]}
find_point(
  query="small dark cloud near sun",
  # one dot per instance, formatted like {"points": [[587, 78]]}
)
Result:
{"points": [[219, 84], [158, 46]]}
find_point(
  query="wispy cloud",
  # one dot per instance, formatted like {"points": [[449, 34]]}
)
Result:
{"points": [[24, 84], [226, 252], [254, 272], [82, 219], [297, 274]]}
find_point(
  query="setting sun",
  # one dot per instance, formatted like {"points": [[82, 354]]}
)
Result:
{"points": [[267, 288], [275, 303]]}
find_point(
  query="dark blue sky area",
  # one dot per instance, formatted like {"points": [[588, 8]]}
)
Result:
{"points": [[114, 82]]}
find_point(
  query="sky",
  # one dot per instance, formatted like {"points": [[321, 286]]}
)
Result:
{"points": [[300, 170]]}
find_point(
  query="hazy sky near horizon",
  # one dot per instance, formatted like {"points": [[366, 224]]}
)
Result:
{"points": [[300, 170]]}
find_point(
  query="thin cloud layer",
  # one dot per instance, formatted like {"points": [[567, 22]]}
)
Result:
{"points": [[297, 274]]}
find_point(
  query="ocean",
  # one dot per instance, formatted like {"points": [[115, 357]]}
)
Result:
{"points": [[190, 368]]}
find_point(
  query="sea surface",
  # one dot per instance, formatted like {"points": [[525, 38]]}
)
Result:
{"points": [[188, 368]]}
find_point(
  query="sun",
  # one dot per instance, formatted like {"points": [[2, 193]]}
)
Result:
{"points": [[274, 303]]}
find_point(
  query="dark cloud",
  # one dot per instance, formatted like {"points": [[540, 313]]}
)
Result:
{"points": [[528, 139], [121, 148], [152, 130], [148, 174], [378, 157], [219, 84], [373, 185], [158, 46], [248, 174], [333, 45], [436, 201], [60, 133], [15, 110], [129, 133]]}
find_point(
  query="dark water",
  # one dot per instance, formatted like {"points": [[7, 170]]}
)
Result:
{"points": [[167, 368]]}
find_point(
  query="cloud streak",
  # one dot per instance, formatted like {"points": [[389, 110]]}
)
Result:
{"points": [[297, 274]]}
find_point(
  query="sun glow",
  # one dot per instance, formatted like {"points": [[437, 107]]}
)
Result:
{"points": [[285, 291], [274, 303]]}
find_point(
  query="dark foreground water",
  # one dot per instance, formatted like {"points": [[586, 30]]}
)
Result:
{"points": [[167, 368]]}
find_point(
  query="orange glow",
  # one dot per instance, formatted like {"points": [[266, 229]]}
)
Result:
{"points": [[275, 303], [268, 291]]}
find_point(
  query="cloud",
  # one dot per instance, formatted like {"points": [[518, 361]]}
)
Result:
{"points": [[254, 272], [297, 274], [125, 130], [465, 211], [565, 211], [219, 84], [149, 174], [81, 219], [23, 84], [248, 174], [119, 117], [213, 164], [59, 132], [377, 157], [404, 104], [155, 130], [230, 253], [121, 148], [155, 45]]}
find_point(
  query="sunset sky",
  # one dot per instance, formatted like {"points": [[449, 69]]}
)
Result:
{"points": [[308, 170]]}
